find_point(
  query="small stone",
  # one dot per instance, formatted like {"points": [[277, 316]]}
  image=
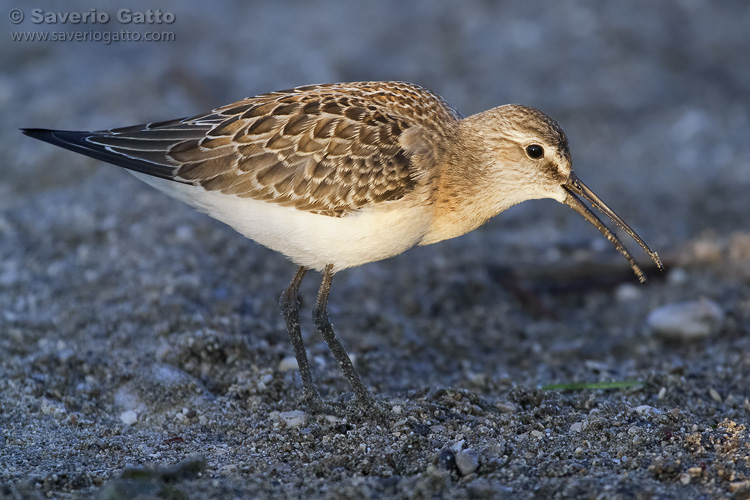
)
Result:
{"points": [[129, 417], [334, 420], [51, 407], [695, 471], [467, 461], [576, 427], [662, 393], [646, 409], [288, 363], [692, 320], [447, 460], [402, 422], [677, 276], [228, 469], [627, 292], [740, 486], [707, 251], [685, 478], [506, 406], [294, 418], [478, 379], [714, 395], [459, 444]]}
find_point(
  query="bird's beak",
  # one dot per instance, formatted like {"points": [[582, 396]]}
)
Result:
{"points": [[575, 188]]}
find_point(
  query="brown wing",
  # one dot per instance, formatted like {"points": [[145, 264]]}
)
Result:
{"points": [[329, 149]]}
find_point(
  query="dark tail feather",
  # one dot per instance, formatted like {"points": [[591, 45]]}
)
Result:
{"points": [[79, 143]]}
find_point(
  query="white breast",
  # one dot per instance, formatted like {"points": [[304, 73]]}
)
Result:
{"points": [[310, 240]]}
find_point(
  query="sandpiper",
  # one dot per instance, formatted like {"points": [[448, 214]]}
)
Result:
{"points": [[338, 175]]}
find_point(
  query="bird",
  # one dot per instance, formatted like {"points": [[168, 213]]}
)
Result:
{"points": [[339, 175]]}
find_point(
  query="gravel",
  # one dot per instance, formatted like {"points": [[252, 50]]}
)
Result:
{"points": [[142, 353]]}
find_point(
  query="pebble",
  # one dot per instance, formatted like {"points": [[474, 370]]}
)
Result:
{"points": [[677, 276], [576, 427], [692, 320], [294, 418], [129, 417], [229, 469], [288, 363], [447, 459], [467, 461], [646, 409], [714, 395], [506, 406], [458, 445], [51, 407], [627, 292], [739, 486]]}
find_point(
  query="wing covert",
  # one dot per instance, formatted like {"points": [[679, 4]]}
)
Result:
{"points": [[328, 149]]}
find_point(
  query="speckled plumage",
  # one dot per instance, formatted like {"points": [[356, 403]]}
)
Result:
{"points": [[335, 176], [326, 149]]}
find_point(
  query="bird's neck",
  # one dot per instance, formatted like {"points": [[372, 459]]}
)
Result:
{"points": [[466, 195]]}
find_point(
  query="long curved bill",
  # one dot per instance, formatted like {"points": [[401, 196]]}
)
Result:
{"points": [[575, 188]]}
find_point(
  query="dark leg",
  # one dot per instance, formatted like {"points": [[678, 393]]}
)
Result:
{"points": [[290, 309], [320, 318]]}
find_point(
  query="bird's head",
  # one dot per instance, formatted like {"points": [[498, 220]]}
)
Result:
{"points": [[528, 157]]}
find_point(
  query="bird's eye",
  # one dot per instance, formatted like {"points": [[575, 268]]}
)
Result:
{"points": [[535, 151]]}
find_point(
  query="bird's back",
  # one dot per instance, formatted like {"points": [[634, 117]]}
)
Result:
{"points": [[325, 152]]}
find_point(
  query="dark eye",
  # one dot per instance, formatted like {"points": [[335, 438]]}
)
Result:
{"points": [[535, 151]]}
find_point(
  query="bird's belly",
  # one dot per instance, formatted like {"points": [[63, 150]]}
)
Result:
{"points": [[308, 239]]}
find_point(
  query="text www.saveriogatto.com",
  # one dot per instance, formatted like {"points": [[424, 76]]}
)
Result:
{"points": [[101, 23]]}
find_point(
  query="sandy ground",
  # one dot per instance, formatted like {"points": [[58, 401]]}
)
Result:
{"points": [[141, 350]]}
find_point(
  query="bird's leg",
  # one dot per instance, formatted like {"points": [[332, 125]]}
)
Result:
{"points": [[320, 318], [290, 309]]}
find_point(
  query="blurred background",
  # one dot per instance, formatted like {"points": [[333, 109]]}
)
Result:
{"points": [[653, 97]]}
